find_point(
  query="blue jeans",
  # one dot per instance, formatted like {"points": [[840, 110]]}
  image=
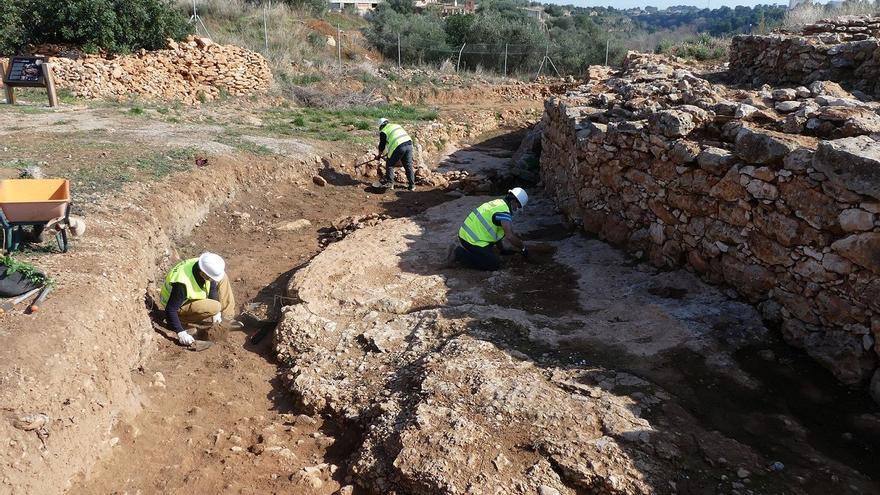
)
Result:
{"points": [[477, 257], [403, 153]]}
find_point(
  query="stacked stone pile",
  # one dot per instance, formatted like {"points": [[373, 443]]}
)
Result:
{"points": [[191, 71], [850, 27], [663, 163], [847, 53]]}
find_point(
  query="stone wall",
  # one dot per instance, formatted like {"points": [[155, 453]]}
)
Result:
{"points": [[660, 162], [845, 50], [191, 71]]}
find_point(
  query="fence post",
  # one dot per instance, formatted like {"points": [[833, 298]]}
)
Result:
{"points": [[457, 64], [607, 44], [339, 46], [266, 26], [398, 50], [505, 60]]}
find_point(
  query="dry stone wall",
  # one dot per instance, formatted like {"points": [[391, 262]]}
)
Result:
{"points": [[681, 172], [845, 50], [191, 71]]}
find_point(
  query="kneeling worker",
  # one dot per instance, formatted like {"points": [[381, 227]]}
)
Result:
{"points": [[195, 290], [400, 149], [484, 228]]}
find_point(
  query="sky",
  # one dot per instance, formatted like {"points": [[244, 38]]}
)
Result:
{"points": [[626, 4]]}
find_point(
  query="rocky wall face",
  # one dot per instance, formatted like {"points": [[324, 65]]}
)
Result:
{"points": [[801, 60], [790, 222]]}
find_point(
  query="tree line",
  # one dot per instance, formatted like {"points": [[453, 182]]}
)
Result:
{"points": [[501, 32]]}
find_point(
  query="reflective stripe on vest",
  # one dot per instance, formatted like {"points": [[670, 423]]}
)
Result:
{"points": [[395, 136], [478, 228], [182, 273]]}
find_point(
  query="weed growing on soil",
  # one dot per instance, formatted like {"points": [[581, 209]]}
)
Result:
{"points": [[356, 124], [304, 79], [27, 270], [251, 147], [112, 176]]}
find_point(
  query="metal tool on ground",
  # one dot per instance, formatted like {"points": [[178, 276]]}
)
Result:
{"points": [[8, 305], [371, 160], [35, 306]]}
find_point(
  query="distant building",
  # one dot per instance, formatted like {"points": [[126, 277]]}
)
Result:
{"points": [[360, 6], [456, 7], [534, 12]]}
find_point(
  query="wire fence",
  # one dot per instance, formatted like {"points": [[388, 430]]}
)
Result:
{"points": [[502, 59]]}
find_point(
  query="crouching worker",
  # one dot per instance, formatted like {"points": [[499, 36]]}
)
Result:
{"points": [[484, 228], [196, 290]]}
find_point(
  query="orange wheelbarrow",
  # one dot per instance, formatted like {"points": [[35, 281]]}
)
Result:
{"points": [[32, 202]]}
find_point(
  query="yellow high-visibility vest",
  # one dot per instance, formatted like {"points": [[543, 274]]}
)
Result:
{"points": [[395, 136], [182, 273], [478, 228]]}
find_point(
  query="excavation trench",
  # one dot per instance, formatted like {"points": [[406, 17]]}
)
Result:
{"points": [[220, 420], [691, 388], [590, 322]]}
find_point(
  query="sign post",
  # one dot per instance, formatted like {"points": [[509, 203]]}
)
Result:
{"points": [[29, 72]]}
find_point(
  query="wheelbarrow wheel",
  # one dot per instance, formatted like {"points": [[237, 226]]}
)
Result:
{"points": [[61, 237]]}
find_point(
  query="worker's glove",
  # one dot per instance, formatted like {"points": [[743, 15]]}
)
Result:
{"points": [[218, 318], [524, 252], [185, 338]]}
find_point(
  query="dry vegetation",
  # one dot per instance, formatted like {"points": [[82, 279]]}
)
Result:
{"points": [[810, 13]]}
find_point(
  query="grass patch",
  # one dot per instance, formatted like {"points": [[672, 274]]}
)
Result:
{"points": [[18, 163], [304, 79], [151, 166], [247, 146], [66, 97], [356, 124], [63, 122], [136, 111]]}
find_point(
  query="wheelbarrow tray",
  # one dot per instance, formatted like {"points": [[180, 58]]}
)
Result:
{"points": [[34, 200]]}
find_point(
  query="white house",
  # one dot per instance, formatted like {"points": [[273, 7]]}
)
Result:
{"points": [[361, 6]]}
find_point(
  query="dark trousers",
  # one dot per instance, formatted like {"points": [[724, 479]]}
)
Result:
{"points": [[480, 258], [403, 153]]}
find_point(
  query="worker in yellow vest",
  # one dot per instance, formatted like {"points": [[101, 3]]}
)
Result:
{"points": [[399, 149], [484, 228], [195, 290]]}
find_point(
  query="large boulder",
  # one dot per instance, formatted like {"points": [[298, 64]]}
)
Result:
{"points": [[861, 249], [762, 146], [853, 162]]}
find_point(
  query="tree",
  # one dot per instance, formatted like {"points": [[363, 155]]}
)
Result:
{"points": [[110, 25]]}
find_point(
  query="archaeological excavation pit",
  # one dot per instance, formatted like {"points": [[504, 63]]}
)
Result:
{"points": [[697, 313]]}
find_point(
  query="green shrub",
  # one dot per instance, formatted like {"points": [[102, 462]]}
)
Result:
{"points": [[12, 33], [317, 40], [115, 26]]}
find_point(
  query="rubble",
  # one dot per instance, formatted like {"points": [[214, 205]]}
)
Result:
{"points": [[191, 71], [780, 216], [344, 226]]}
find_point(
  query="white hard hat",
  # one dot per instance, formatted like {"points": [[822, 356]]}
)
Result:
{"points": [[213, 266], [520, 195], [382, 121]]}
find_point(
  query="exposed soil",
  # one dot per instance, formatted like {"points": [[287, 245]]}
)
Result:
{"points": [[216, 406]]}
